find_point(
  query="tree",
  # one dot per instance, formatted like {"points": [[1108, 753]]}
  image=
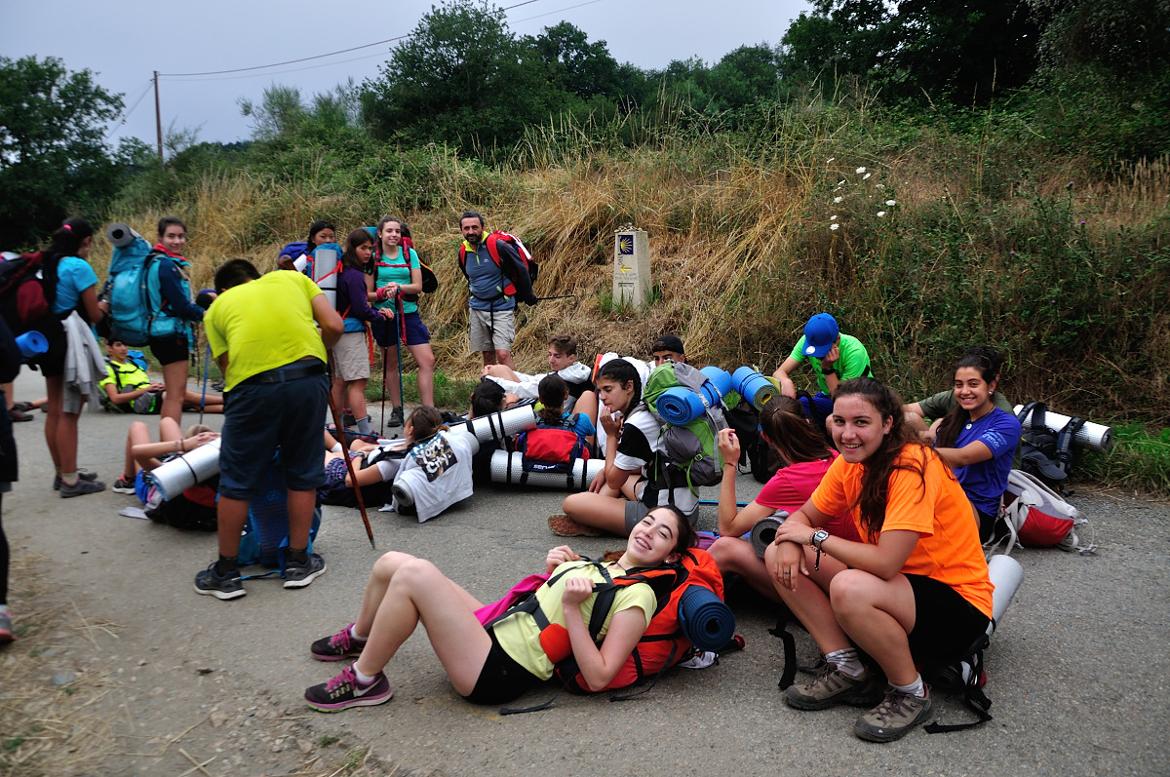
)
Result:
{"points": [[462, 77], [745, 76], [53, 157], [278, 113], [576, 65]]}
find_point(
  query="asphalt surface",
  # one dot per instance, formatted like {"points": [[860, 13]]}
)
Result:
{"points": [[1078, 670]]}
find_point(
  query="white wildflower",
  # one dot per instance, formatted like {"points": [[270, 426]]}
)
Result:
{"points": [[891, 203], [830, 159], [879, 186], [837, 200], [866, 176], [833, 217], [834, 227], [860, 170], [881, 214], [840, 183]]}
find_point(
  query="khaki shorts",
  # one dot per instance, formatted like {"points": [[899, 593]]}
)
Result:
{"points": [[484, 323], [351, 357]]}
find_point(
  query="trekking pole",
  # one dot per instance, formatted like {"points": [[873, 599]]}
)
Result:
{"points": [[400, 325], [715, 502], [357, 490], [203, 396]]}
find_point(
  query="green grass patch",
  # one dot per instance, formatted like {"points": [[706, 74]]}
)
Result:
{"points": [[1139, 460], [450, 393]]}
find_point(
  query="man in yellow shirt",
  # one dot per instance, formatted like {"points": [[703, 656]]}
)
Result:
{"points": [[263, 332]]}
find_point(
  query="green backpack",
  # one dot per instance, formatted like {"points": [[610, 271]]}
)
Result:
{"points": [[688, 455]]}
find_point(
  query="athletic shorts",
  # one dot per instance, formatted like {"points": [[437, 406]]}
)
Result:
{"points": [[169, 349], [502, 679], [492, 330], [635, 512], [387, 331], [945, 624], [259, 419], [52, 362], [351, 357]]}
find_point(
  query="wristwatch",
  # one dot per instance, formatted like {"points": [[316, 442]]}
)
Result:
{"points": [[816, 540]]}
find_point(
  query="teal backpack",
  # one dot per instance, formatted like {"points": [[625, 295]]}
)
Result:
{"points": [[127, 285]]}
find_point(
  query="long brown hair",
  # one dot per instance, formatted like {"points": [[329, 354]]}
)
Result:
{"points": [[790, 434], [425, 423], [882, 463], [552, 391], [952, 422], [356, 238]]}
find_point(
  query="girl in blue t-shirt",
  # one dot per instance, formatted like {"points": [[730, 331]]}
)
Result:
{"points": [[977, 439], [397, 284], [70, 284]]}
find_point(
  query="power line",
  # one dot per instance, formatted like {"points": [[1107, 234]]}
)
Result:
{"points": [[559, 10], [126, 115], [315, 56]]}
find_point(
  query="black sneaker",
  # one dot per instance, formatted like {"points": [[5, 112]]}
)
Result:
{"points": [[123, 485], [345, 691], [338, 646], [300, 574], [894, 717], [209, 583], [395, 419]]}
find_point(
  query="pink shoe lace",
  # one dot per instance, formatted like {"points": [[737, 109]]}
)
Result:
{"points": [[345, 677], [342, 639]]}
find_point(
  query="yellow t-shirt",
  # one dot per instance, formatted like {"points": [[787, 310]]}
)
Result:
{"points": [[935, 507], [519, 635], [264, 324]]}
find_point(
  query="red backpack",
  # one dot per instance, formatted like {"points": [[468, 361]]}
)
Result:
{"points": [[22, 293], [553, 447], [492, 241]]}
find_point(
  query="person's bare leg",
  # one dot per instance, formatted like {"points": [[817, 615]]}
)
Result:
{"points": [[878, 615], [137, 434], [380, 576], [230, 516], [811, 605], [67, 442], [337, 394], [600, 511], [55, 388], [735, 556], [175, 388], [390, 358], [169, 430], [489, 358], [504, 357], [418, 591], [300, 517], [586, 405], [355, 391], [424, 356]]}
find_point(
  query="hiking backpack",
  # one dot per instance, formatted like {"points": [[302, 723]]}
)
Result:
{"points": [[686, 455], [553, 447], [492, 241], [1044, 453], [430, 281], [265, 536], [1035, 516], [127, 290], [22, 293]]}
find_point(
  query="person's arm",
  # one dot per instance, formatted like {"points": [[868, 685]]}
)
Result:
{"points": [[128, 396], [783, 374], [170, 286], [599, 666], [328, 319], [971, 453], [829, 368], [915, 408], [89, 304], [515, 272], [415, 285], [359, 305], [147, 453], [731, 521], [885, 559]]}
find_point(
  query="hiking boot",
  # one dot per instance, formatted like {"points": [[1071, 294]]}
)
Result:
{"points": [[210, 583], [344, 691], [894, 717], [337, 647], [81, 488], [564, 526], [6, 634], [82, 474], [396, 418], [123, 485], [830, 687], [298, 574]]}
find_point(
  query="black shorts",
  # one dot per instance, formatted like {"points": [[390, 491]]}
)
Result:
{"points": [[502, 679], [945, 624], [170, 349], [51, 363]]}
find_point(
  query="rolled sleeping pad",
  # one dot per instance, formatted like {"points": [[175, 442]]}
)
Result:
{"points": [[32, 344], [1006, 575], [326, 259], [120, 235], [177, 475], [720, 379], [764, 532], [502, 424], [301, 262], [754, 387], [706, 621], [680, 406], [403, 496], [1095, 436], [508, 468]]}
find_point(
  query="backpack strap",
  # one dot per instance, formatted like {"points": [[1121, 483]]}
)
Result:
{"points": [[1064, 440], [973, 697]]}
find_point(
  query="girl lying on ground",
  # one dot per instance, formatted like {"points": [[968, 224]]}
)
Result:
{"points": [[805, 457], [914, 592], [143, 455], [499, 663]]}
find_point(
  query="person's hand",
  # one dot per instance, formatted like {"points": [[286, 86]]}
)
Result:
{"points": [[156, 387], [610, 422], [927, 436], [728, 445], [559, 555], [386, 313], [597, 483], [285, 262], [577, 590], [200, 439], [829, 359], [786, 563], [510, 399]]}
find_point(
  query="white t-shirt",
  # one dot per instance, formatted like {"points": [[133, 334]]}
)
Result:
{"points": [[437, 473], [641, 439], [528, 385]]}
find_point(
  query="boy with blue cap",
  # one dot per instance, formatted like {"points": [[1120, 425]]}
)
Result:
{"points": [[834, 357]]}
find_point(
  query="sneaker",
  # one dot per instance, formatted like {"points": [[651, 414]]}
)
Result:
{"points": [[209, 583], [564, 526], [348, 419], [82, 474], [894, 717], [299, 575], [344, 691], [16, 416], [123, 485], [829, 688], [337, 647], [81, 488], [396, 418], [22, 407], [6, 634]]}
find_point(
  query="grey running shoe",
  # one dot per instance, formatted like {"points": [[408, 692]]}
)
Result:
{"points": [[300, 574], [81, 488], [210, 583], [830, 687], [82, 474], [894, 717]]}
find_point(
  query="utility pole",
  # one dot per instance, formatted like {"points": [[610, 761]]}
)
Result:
{"points": [[158, 119]]}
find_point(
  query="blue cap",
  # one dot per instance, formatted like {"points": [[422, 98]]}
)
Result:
{"points": [[819, 335]]}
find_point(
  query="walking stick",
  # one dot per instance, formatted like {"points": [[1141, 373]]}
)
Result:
{"points": [[203, 396], [399, 339], [357, 490]]}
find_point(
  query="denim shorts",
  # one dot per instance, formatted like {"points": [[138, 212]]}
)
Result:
{"points": [[260, 418]]}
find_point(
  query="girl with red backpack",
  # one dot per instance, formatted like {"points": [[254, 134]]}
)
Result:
{"points": [[498, 663]]}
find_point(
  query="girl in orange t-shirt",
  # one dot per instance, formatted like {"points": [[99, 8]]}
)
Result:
{"points": [[914, 592]]}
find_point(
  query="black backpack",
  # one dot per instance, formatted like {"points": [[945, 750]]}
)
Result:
{"points": [[1044, 453]]}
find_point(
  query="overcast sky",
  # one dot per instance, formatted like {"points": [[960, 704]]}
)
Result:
{"points": [[123, 41]]}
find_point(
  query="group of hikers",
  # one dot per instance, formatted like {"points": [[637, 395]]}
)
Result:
{"points": [[879, 553]]}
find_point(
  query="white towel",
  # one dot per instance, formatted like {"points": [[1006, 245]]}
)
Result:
{"points": [[85, 365]]}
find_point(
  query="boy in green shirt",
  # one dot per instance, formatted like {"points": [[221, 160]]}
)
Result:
{"points": [[833, 356]]}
